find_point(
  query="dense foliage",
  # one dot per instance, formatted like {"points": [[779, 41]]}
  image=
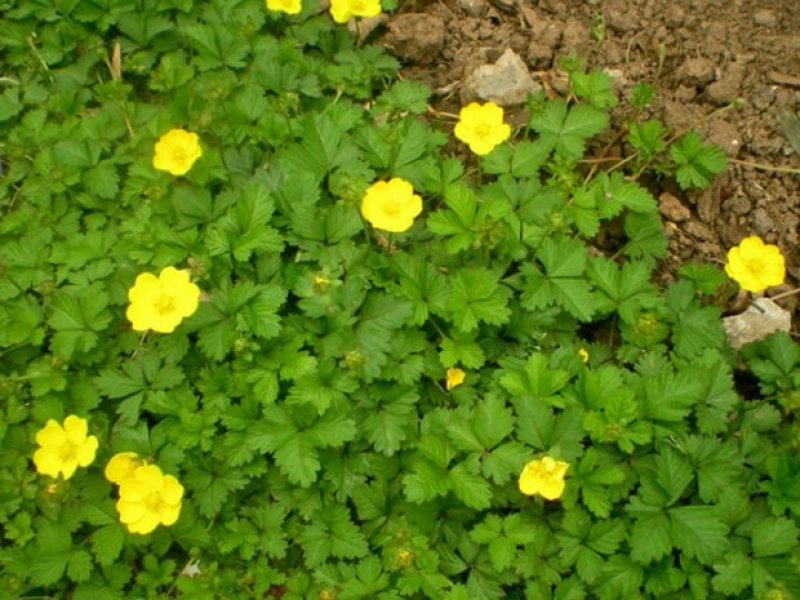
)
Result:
{"points": [[303, 407]]}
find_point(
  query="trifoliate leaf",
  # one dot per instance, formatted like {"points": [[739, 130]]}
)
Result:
{"points": [[476, 296], [562, 281], [567, 129], [697, 161]]}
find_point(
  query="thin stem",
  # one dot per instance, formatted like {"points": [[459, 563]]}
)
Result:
{"points": [[785, 294], [763, 167]]}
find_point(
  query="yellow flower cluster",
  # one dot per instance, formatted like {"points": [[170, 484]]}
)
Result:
{"points": [[64, 447], [341, 10], [543, 477], [176, 151], [161, 303], [481, 127], [147, 497], [755, 266], [391, 205]]}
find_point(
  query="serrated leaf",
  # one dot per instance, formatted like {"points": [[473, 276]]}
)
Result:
{"points": [[79, 566], [774, 536], [697, 162], [562, 282], [107, 543], [476, 296], [650, 538], [567, 129], [698, 532], [473, 490]]}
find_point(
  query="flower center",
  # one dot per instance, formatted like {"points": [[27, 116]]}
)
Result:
{"points": [[68, 452], [391, 208], [165, 304], [483, 130], [755, 265]]}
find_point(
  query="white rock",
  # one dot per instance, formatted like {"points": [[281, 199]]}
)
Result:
{"points": [[762, 318], [507, 82]]}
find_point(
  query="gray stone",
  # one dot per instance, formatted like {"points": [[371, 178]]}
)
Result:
{"points": [[765, 18], [507, 82], [474, 8], [762, 318]]}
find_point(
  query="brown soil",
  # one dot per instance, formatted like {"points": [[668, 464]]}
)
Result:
{"points": [[699, 54]]}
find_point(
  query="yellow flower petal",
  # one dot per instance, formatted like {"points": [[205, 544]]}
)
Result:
{"points": [[68, 467], [168, 514], [290, 7], [146, 524], [454, 378], [161, 303], [86, 451], [133, 490], [130, 512], [51, 435], [544, 477], [755, 266], [176, 151], [76, 429], [391, 205], [481, 127], [172, 490], [47, 462], [121, 466]]}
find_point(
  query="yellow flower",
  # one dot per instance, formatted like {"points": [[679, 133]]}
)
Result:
{"points": [[755, 266], [122, 466], [584, 354], [290, 7], [161, 303], [455, 377], [148, 498], [545, 477], [481, 127], [64, 448], [176, 151], [391, 205], [344, 10]]}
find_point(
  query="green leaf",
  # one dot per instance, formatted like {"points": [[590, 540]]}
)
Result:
{"points": [[673, 473], [107, 543], [594, 87], [774, 536], [78, 316], [493, 421], [331, 534], [698, 532], [405, 96], [471, 489], [567, 129], [733, 574], [697, 162], [650, 538], [562, 282], [79, 566], [477, 296]]}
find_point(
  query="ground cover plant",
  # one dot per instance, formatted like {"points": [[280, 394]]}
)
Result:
{"points": [[270, 331]]}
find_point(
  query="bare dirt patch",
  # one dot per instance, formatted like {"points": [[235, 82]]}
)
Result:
{"points": [[701, 55]]}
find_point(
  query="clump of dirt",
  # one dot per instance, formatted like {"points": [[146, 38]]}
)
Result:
{"points": [[700, 55]]}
